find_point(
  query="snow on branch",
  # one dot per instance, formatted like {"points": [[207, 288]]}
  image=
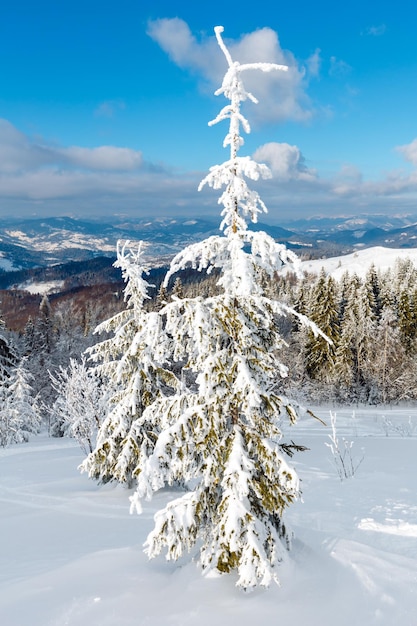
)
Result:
{"points": [[131, 262], [232, 85], [237, 196]]}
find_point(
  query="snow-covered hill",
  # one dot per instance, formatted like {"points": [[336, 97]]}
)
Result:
{"points": [[359, 262]]}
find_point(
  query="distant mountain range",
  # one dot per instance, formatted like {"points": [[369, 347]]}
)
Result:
{"points": [[72, 260], [34, 243]]}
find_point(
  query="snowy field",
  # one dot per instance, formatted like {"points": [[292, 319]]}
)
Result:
{"points": [[71, 553]]}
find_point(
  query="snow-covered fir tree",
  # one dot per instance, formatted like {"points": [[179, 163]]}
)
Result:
{"points": [[388, 359], [220, 433], [45, 328], [131, 364], [407, 319], [19, 412], [8, 355], [373, 288], [177, 288], [319, 358], [162, 297], [80, 406]]}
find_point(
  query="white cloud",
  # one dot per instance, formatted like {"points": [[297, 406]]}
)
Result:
{"points": [[19, 152], [49, 179], [203, 57], [176, 39], [286, 162], [54, 190], [339, 67], [409, 152], [281, 95], [38, 178], [109, 108], [313, 63], [376, 31], [103, 157], [347, 180], [394, 184]]}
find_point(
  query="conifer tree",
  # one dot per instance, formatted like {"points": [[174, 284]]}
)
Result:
{"points": [[344, 287], [387, 292], [346, 354], [29, 336], [323, 310], [45, 328], [19, 413], [365, 336], [8, 355], [354, 351], [373, 290], [221, 434], [405, 275], [177, 288], [389, 359], [131, 365], [407, 320], [80, 406], [162, 297]]}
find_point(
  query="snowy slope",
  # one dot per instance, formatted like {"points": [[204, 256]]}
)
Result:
{"points": [[41, 288], [359, 262], [5, 264], [71, 554]]}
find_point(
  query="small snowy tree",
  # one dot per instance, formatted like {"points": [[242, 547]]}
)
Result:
{"points": [[19, 414], [320, 353], [8, 355], [45, 327], [221, 434], [81, 403], [394, 369], [131, 364]]}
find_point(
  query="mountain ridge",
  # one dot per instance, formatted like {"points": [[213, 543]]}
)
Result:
{"points": [[38, 242]]}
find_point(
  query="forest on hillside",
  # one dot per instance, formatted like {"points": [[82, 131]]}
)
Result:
{"points": [[372, 324]]}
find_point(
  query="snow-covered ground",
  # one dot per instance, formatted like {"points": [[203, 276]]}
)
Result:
{"points": [[71, 553]]}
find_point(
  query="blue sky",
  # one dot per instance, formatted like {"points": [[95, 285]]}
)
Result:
{"points": [[104, 106]]}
